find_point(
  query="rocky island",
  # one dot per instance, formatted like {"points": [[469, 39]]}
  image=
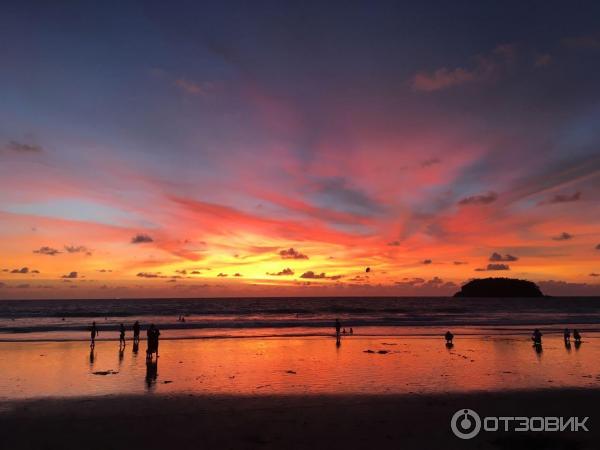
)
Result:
{"points": [[499, 287]]}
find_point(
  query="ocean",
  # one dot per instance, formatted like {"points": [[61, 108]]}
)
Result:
{"points": [[252, 317]]}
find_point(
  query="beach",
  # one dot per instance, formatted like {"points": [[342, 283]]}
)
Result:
{"points": [[277, 422], [291, 386]]}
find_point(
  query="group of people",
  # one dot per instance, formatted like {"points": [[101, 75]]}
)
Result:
{"points": [[152, 333], [536, 337]]}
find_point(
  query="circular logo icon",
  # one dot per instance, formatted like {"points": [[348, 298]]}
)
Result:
{"points": [[465, 424]]}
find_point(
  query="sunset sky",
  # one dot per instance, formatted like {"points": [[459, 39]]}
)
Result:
{"points": [[252, 148]]}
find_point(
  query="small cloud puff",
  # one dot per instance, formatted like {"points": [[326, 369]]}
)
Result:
{"points": [[491, 267], [482, 199], [285, 272], [292, 253], [47, 251], [141, 239], [71, 275], [506, 258], [564, 236]]}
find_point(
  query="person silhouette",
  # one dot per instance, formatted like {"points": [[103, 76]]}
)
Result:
{"points": [[449, 336], [537, 337], [122, 336], [577, 336], [136, 332], [351, 331], [567, 336], [153, 335], [94, 333], [338, 327]]}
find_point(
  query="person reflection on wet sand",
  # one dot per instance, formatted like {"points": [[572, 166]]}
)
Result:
{"points": [[151, 372], [92, 356], [136, 347]]}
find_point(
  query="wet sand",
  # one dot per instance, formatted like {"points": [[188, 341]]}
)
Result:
{"points": [[365, 365], [289, 422]]}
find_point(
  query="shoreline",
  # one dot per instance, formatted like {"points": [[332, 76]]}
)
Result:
{"points": [[419, 421]]}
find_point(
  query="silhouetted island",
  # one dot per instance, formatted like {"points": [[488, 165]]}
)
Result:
{"points": [[499, 287]]}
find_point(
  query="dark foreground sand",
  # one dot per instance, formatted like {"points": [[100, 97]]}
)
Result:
{"points": [[305, 422]]}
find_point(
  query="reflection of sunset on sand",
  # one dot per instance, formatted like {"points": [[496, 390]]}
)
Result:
{"points": [[248, 366]]}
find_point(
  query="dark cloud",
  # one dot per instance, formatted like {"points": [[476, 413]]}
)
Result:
{"points": [[427, 261], [141, 239], [237, 274], [491, 267], [35, 271], [285, 272], [483, 199], [77, 249], [394, 244], [221, 274], [23, 286], [47, 251], [314, 276], [561, 198], [195, 272], [594, 274], [19, 147], [292, 253], [459, 263], [71, 275], [182, 272], [150, 275], [22, 270], [496, 257], [598, 247], [104, 270], [564, 236]]}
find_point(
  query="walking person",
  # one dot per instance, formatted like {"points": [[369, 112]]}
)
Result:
{"points": [[122, 336]]}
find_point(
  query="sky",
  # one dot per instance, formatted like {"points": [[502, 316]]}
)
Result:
{"points": [[202, 149]]}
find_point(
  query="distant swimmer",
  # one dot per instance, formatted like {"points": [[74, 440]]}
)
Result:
{"points": [[94, 333], [344, 331], [577, 337], [567, 336], [537, 337], [136, 332], [351, 331], [122, 335], [448, 336]]}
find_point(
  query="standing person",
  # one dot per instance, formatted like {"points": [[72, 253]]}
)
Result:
{"points": [[537, 337], [136, 332], [122, 335], [449, 336], [338, 326], [577, 336], [567, 336], [94, 333]]}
